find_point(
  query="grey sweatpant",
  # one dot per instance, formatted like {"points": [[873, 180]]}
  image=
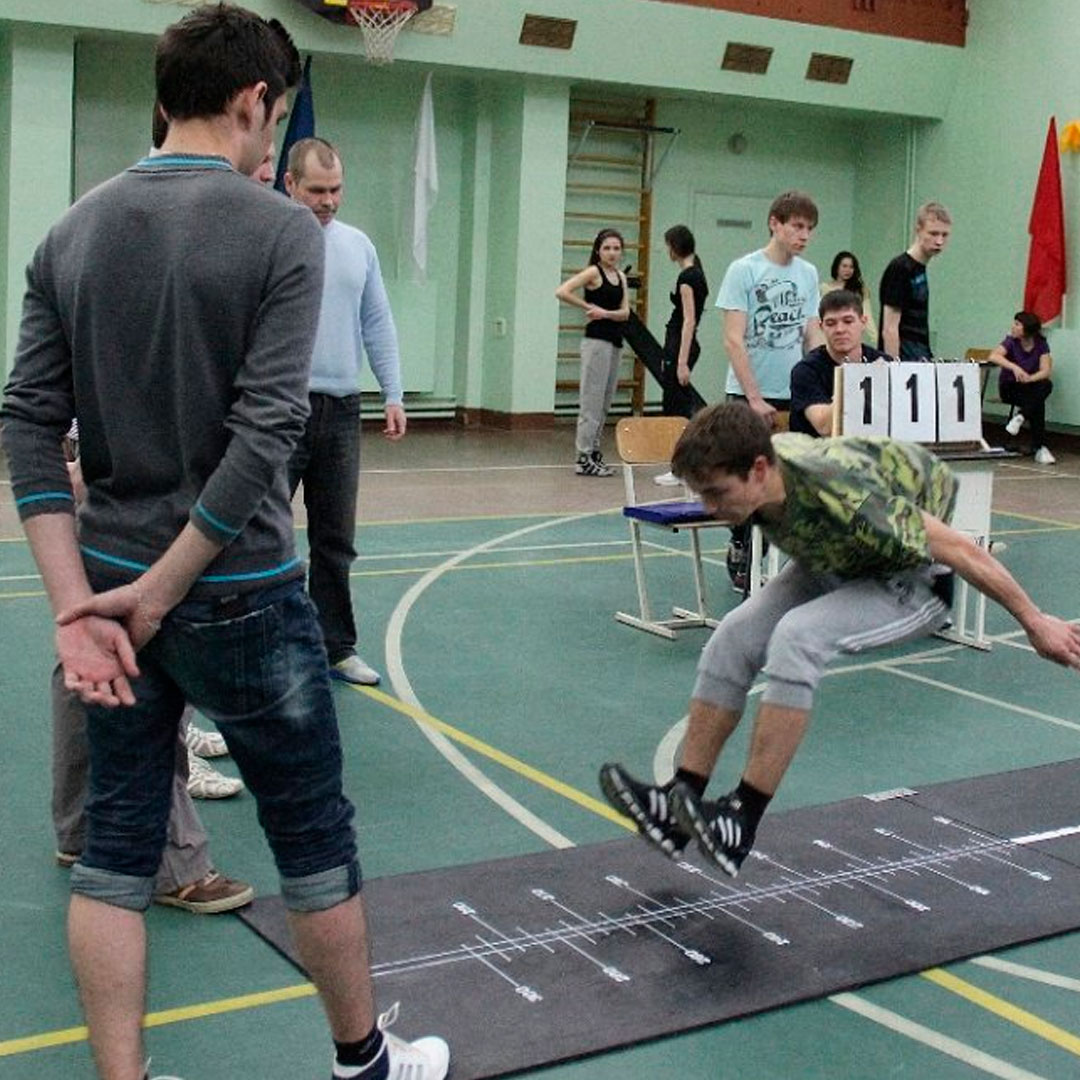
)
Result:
{"points": [[186, 857], [599, 376], [799, 621]]}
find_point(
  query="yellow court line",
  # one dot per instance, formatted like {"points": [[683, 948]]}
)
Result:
{"points": [[1034, 531], [1038, 520], [520, 564], [557, 515], [270, 997], [66, 1036], [487, 750], [515, 565], [1005, 1009]]}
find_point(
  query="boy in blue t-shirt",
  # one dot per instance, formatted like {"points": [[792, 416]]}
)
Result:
{"points": [[769, 302]]}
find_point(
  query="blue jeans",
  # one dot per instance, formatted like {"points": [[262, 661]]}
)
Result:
{"points": [[256, 666], [327, 461]]}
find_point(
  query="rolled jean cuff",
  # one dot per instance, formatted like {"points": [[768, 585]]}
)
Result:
{"points": [[322, 891], [788, 695], [718, 691], [118, 890]]}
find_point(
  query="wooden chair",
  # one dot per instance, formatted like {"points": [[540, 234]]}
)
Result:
{"points": [[650, 440], [986, 369], [982, 358]]}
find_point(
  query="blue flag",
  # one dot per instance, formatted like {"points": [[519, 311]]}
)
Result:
{"points": [[301, 124]]}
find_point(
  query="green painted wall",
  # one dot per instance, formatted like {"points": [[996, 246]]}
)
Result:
{"points": [[649, 38], [784, 148], [39, 103], [5, 174], [982, 161], [506, 104], [915, 122]]}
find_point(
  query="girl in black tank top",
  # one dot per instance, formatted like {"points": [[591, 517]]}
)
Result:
{"points": [[606, 304]]}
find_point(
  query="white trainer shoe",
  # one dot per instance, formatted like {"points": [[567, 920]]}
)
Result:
{"points": [[353, 670], [1015, 424], [667, 479], [205, 744], [423, 1059], [1044, 457], [205, 782]]}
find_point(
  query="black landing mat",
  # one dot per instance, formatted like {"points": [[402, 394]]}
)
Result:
{"points": [[538, 959]]}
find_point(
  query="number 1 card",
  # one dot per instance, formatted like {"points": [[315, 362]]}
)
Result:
{"points": [[959, 403], [913, 402], [866, 399]]}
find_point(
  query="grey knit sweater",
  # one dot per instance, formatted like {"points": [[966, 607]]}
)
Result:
{"points": [[173, 309]]}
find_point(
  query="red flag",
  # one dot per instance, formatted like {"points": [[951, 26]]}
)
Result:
{"points": [[1045, 283]]}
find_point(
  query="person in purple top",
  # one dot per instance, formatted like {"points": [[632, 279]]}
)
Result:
{"points": [[1025, 362]]}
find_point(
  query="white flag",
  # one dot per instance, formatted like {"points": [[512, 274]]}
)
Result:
{"points": [[425, 181]]}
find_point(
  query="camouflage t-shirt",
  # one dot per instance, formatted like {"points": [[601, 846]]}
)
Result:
{"points": [[852, 504]]}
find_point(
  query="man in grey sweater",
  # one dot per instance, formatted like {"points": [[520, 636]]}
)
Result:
{"points": [[171, 310]]}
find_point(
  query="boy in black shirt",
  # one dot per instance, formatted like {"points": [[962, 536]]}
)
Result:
{"points": [[905, 291], [812, 378]]}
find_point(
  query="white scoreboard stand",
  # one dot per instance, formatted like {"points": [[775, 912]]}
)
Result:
{"points": [[938, 404]]}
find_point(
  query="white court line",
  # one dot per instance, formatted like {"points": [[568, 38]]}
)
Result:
{"points": [[461, 469], [404, 691], [513, 548], [944, 1044], [664, 757], [985, 698], [936, 1040], [1022, 971]]}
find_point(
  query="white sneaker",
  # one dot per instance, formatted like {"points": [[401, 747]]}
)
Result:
{"points": [[205, 782], [1044, 457], [667, 479], [353, 670], [149, 1077], [205, 743], [423, 1059], [1015, 424]]}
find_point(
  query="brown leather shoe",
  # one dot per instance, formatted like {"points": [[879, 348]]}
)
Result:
{"points": [[213, 894]]}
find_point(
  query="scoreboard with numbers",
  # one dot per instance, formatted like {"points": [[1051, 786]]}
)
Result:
{"points": [[921, 402]]}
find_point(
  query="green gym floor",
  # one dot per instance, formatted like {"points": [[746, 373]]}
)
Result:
{"points": [[487, 582]]}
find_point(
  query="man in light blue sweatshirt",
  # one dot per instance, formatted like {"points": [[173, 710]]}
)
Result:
{"points": [[354, 320]]}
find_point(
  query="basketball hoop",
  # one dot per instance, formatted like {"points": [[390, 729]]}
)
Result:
{"points": [[380, 22]]}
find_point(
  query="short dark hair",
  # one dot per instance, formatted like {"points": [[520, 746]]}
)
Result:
{"points": [[324, 151], [1031, 323], [728, 437], [839, 300], [159, 127], [791, 204], [203, 61]]}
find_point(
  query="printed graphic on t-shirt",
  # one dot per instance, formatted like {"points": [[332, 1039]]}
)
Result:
{"points": [[778, 316]]}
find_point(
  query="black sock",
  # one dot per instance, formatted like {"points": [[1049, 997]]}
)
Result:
{"points": [[754, 801], [360, 1054], [694, 781]]}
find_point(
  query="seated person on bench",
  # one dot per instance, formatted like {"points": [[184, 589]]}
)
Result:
{"points": [[1025, 362], [842, 322]]}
